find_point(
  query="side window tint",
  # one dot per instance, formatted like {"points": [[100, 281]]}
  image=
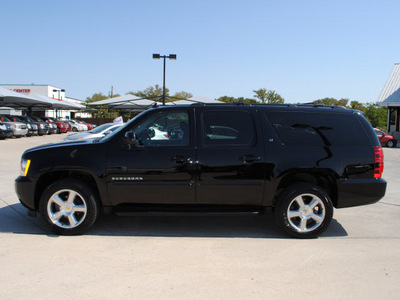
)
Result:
{"points": [[317, 129], [164, 129], [229, 128]]}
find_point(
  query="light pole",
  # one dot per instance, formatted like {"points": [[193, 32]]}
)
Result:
{"points": [[158, 56]]}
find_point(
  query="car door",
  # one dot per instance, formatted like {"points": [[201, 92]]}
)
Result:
{"points": [[159, 167], [229, 157]]}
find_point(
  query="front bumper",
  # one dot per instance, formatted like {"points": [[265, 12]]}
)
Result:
{"points": [[25, 190], [356, 192], [43, 131], [32, 132], [6, 134]]}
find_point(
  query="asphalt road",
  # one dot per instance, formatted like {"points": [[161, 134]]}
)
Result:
{"points": [[198, 257]]}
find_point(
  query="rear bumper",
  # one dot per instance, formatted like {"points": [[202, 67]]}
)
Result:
{"points": [[20, 132], [356, 192]]}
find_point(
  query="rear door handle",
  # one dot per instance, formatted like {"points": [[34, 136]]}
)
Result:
{"points": [[248, 158], [180, 159]]}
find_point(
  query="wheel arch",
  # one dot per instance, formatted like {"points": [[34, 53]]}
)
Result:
{"points": [[50, 177], [324, 179]]}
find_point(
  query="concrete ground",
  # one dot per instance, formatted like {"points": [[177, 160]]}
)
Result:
{"points": [[198, 257]]}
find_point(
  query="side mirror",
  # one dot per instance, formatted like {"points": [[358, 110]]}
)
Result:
{"points": [[107, 133], [129, 138]]}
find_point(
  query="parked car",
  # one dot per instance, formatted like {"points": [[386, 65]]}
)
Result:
{"points": [[385, 139], [43, 128], [76, 126], [62, 127], [292, 160], [5, 130], [19, 129], [90, 126], [98, 132], [32, 127], [51, 128]]}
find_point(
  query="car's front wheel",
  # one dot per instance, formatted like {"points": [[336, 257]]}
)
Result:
{"points": [[390, 144], [68, 206], [304, 210]]}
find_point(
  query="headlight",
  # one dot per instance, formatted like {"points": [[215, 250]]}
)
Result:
{"points": [[29, 126], [25, 163], [41, 126]]}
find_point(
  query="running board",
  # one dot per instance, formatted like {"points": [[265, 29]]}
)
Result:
{"points": [[185, 210]]}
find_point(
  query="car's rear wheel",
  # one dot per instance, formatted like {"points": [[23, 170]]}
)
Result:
{"points": [[304, 210], [68, 206], [390, 144], [74, 129]]}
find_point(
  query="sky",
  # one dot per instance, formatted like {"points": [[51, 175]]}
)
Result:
{"points": [[303, 50]]}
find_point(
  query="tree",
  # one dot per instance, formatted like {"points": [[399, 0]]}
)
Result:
{"points": [[274, 98], [377, 116], [261, 94], [228, 99], [343, 102], [268, 96], [357, 106], [182, 95], [151, 92], [102, 111], [96, 97], [327, 101]]}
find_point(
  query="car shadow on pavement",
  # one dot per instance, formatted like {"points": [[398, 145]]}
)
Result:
{"points": [[244, 226], [14, 220]]}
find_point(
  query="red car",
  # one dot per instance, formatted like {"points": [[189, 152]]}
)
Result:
{"points": [[61, 126], [90, 126], [385, 139]]}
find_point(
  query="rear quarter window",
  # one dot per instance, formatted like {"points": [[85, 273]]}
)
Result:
{"points": [[318, 129]]}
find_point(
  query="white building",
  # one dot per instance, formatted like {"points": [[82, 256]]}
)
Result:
{"points": [[51, 92]]}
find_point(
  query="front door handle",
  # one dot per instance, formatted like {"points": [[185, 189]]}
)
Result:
{"points": [[248, 158]]}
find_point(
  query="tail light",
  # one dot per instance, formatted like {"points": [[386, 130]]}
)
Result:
{"points": [[378, 164]]}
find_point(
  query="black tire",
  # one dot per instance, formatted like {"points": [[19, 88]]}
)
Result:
{"points": [[69, 207], [309, 219], [390, 144], [74, 129]]}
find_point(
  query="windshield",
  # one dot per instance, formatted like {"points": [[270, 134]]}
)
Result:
{"points": [[5, 119], [110, 136], [36, 119]]}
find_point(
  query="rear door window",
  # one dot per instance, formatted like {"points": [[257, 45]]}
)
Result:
{"points": [[228, 128]]}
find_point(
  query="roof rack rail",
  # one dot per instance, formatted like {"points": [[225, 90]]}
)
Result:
{"points": [[313, 104]]}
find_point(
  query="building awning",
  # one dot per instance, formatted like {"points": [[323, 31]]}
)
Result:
{"points": [[195, 99], [126, 103], [390, 95], [60, 104], [20, 101]]}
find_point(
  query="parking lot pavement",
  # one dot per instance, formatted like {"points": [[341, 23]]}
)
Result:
{"points": [[198, 257]]}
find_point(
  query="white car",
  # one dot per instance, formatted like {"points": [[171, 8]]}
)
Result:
{"points": [[76, 126], [95, 133]]}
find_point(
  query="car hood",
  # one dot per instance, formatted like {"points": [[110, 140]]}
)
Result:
{"points": [[61, 145]]}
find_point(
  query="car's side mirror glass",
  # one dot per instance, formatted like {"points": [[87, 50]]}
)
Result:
{"points": [[129, 138]]}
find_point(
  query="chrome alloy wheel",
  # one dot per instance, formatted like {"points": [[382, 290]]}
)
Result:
{"points": [[66, 209], [306, 212]]}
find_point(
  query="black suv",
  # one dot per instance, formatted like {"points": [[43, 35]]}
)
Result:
{"points": [[299, 161]]}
